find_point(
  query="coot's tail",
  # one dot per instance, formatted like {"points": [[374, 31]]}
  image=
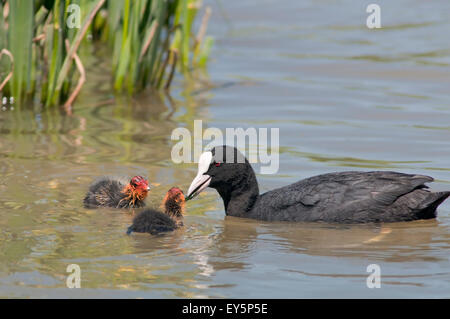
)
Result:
{"points": [[431, 203]]}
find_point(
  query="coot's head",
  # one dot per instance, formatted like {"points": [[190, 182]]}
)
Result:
{"points": [[139, 187], [223, 168], [173, 202]]}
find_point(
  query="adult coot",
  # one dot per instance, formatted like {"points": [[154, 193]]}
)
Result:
{"points": [[153, 221], [346, 197], [109, 192]]}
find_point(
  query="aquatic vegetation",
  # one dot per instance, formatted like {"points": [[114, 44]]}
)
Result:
{"points": [[39, 45]]}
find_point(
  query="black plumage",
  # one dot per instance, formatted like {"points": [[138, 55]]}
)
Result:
{"points": [[345, 197], [352, 197], [109, 192], [154, 221]]}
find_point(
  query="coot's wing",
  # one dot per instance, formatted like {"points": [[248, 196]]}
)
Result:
{"points": [[338, 197]]}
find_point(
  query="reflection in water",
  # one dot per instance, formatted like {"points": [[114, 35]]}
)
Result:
{"points": [[235, 241], [382, 242], [238, 239], [342, 96], [48, 161]]}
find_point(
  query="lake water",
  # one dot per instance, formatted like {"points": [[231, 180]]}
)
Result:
{"points": [[343, 97]]}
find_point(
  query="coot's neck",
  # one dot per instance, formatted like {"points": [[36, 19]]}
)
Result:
{"points": [[240, 197]]}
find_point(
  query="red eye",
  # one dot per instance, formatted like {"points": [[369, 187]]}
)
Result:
{"points": [[218, 164]]}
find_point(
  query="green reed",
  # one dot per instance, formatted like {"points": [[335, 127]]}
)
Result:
{"points": [[147, 39]]}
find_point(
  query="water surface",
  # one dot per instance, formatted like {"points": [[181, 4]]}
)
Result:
{"points": [[344, 98]]}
